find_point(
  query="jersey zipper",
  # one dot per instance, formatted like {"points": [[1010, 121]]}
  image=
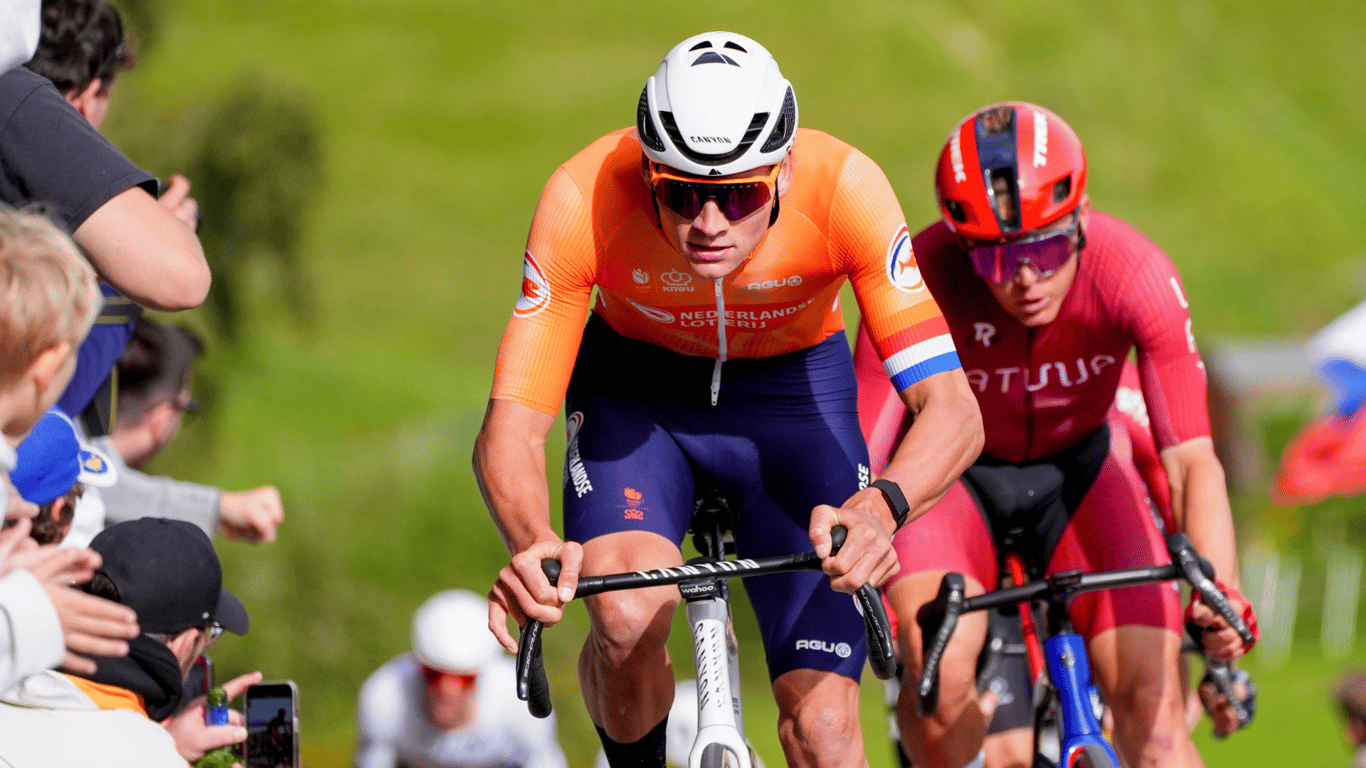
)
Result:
{"points": [[721, 339]]}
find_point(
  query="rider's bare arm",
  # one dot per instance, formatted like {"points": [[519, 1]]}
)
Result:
{"points": [[509, 464], [944, 438], [1200, 503]]}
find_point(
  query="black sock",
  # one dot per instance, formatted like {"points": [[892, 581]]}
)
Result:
{"points": [[646, 753]]}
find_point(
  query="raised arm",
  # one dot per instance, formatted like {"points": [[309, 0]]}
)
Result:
{"points": [[146, 252]]}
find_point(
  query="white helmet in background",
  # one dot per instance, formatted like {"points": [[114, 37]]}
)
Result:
{"points": [[450, 632], [717, 105]]}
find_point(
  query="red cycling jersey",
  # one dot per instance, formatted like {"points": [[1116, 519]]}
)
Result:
{"points": [[596, 226], [1042, 390]]}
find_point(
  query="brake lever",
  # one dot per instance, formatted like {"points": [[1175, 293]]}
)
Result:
{"points": [[1198, 571], [937, 620], [532, 685]]}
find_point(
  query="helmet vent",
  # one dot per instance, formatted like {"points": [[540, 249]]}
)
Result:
{"points": [[712, 57], [1062, 189], [734, 46], [700, 46], [785, 126], [676, 136], [955, 210], [644, 125]]}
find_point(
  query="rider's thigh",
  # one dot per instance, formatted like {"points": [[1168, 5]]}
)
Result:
{"points": [[1115, 527], [818, 719], [623, 620], [1136, 669]]}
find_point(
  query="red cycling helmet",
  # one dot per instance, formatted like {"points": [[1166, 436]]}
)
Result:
{"points": [[1012, 151]]}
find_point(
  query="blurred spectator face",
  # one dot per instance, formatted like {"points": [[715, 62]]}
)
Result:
{"points": [[155, 375], [48, 301], [449, 697]]}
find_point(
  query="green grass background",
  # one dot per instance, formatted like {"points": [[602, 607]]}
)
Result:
{"points": [[1231, 132]]}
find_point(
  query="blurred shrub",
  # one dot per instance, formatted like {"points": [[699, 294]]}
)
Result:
{"points": [[256, 171]]}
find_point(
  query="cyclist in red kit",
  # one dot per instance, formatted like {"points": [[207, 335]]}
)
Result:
{"points": [[1045, 299]]}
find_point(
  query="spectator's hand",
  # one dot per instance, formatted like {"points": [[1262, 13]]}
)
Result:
{"points": [[250, 515], [867, 556], [177, 200], [91, 625], [522, 590], [15, 541], [193, 738]]}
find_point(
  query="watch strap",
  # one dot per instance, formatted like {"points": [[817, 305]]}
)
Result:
{"points": [[896, 500]]}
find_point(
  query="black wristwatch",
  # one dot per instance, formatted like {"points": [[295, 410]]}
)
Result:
{"points": [[891, 492]]}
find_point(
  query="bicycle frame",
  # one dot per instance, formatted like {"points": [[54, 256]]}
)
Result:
{"points": [[716, 654], [1068, 664]]}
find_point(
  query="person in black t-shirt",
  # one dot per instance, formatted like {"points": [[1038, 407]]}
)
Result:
{"points": [[51, 153], [50, 157]]}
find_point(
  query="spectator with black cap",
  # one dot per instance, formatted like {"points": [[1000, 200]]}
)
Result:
{"points": [[167, 571]]}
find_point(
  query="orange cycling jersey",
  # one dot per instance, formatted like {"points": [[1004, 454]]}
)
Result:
{"points": [[596, 225]]}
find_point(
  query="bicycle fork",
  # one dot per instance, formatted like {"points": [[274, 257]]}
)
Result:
{"points": [[720, 730]]}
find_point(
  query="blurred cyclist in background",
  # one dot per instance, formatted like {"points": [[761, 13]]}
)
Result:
{"points": [[1048, 299], [451, 702], [718, 236]]}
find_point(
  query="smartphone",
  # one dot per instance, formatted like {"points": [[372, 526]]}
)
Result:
{"points": [[200, 679], [272, 711]]}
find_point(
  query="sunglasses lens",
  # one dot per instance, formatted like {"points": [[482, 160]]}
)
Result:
{"points": [[736, 201], [998, 263]]}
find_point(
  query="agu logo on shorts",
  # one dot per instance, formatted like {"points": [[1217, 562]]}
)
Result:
{"points": [[901, 267], [535, 289], [841, 650]]}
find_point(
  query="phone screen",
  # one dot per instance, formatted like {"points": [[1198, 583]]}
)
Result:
{"points": [[270, 730]]}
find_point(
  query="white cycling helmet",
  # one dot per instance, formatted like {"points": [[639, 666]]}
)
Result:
{"points": [[717, 105], [450, 632]]}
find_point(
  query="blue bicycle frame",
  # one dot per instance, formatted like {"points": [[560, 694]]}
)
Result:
{"points": [[1069, 669]]}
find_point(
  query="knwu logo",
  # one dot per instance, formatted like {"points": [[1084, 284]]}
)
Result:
{"points": [[675, 281], [841, 650]]}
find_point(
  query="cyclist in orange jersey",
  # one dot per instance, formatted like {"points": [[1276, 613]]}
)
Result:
{"points": [[717, 235]]}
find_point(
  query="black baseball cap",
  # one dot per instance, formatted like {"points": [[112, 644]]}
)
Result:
{"points": [[168, 572]]}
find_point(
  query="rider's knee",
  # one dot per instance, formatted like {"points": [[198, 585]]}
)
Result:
{"points": [[1152, 699], [624, 623], [819, 726]]}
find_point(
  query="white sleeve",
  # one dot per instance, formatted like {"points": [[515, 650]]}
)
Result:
{"points": [[379, 712], [543, 742], [30, 631], [19, 30], [1342, 339]]}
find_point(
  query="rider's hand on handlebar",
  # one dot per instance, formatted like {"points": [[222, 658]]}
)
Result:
{"points": [[522, 590], [867, 556], [1220, 640], [1222, 713]]}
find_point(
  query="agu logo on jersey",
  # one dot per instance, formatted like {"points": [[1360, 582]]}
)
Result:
{"points": [[901, 267], [535, 289]]}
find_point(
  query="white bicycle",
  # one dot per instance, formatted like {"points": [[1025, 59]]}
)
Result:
{"points": [[703, 584]]}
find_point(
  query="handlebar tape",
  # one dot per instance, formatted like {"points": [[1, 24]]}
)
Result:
{"points": [[937, 620]]}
